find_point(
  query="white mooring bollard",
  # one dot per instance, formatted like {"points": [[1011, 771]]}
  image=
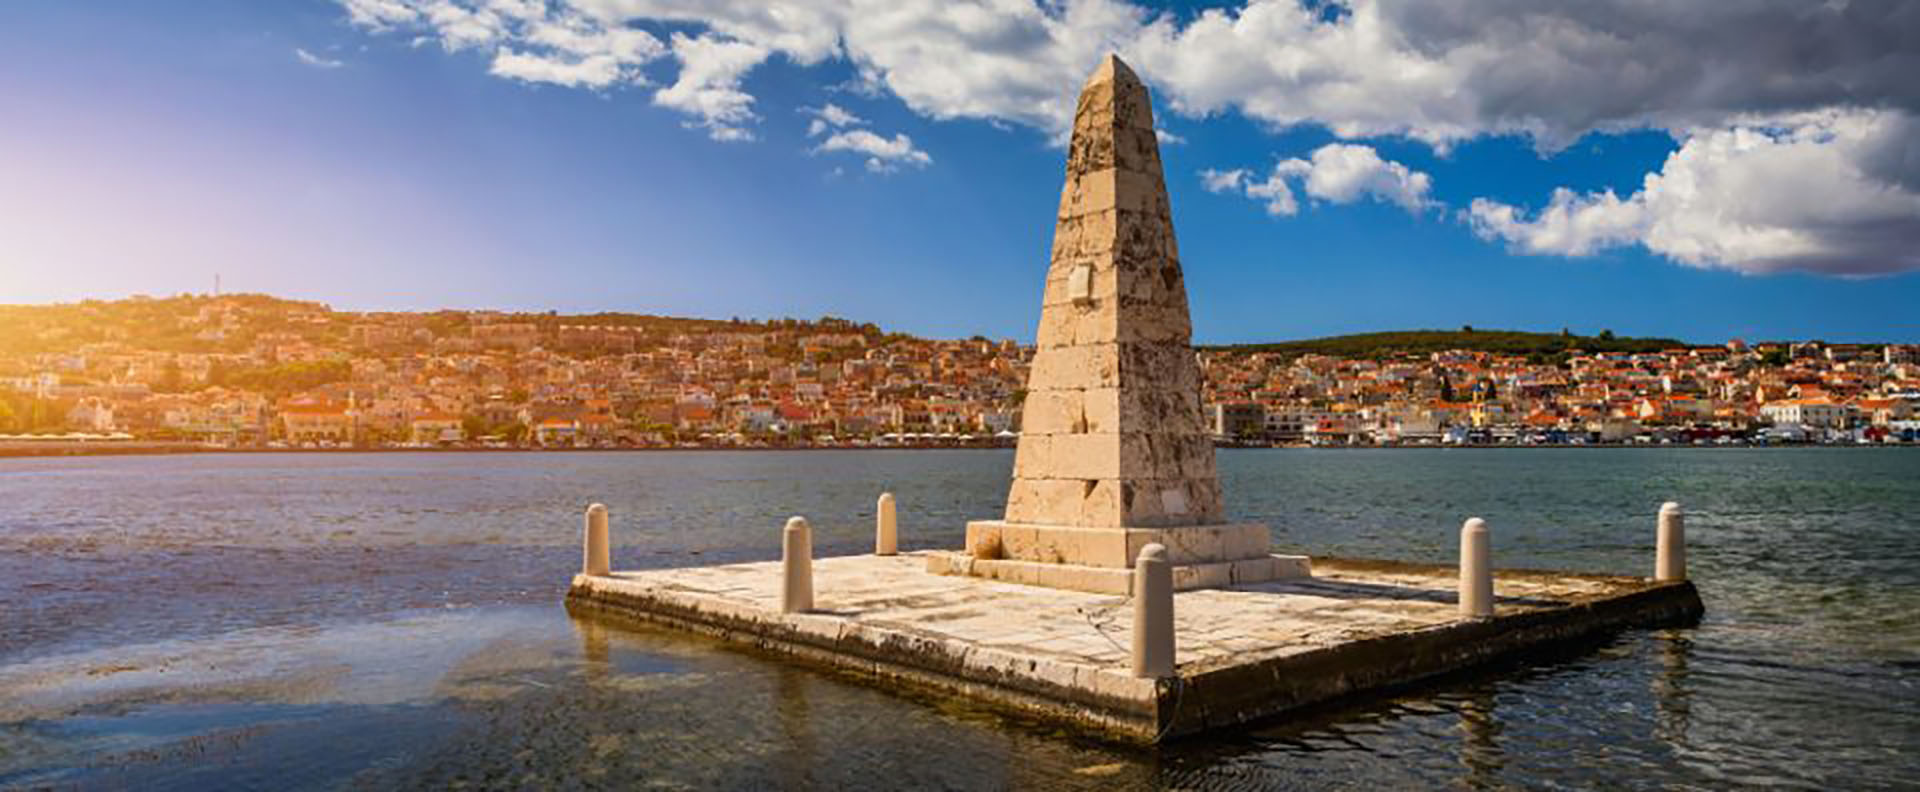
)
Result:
{"points": [[1476, 570], [886, 529], [1153, 613], [1670, 553], [796, 557], [598, 556]]}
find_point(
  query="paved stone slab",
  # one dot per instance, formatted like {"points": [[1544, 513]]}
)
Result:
{"points": [[1243, 652]]}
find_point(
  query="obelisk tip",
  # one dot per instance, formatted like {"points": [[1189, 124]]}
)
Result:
{"points": [[1110, 68]]}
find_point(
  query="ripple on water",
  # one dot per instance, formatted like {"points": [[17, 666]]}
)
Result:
{"points": [[393, 621]]}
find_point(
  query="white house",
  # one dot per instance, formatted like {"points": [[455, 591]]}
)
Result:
{"points": [[1821, 413]]}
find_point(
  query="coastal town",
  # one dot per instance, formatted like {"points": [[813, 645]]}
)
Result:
{"points": [[250, 371]]}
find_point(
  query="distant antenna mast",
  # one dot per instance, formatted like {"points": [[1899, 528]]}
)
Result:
{"points": [[216, 284]]}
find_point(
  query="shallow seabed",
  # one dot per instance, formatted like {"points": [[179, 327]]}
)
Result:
{"points": [[317, 621]]}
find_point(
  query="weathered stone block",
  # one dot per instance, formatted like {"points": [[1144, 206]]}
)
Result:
{"points": [[1106, 190], [1058, 411], [1202, 576]]}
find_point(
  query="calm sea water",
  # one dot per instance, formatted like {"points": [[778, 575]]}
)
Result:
{"points": [[321, 620]]}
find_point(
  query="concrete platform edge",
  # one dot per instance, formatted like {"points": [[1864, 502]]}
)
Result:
{"points": [[1231, 695], [1147, 711], [1101, 702]]}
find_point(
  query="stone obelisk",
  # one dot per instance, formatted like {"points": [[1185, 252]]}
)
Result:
{"points": [[1114, 452]]}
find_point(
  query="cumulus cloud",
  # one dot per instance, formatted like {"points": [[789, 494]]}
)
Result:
{"points": [[1339, 173], [1449, 70], [461, 27], [1835, 192], [830, 116], [1001, 60], [1219, 181], [1347, 172], [381, 15], [1273, 190], [884, 155], [708, 87], [1438, 71], [594, 72], [531, 40], [574, 51], [316, 61]]}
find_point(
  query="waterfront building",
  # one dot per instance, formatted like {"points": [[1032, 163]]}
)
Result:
{"points": [[316, 424], [1237, 420], [557, 433], [429, 429], [1818, 412]]}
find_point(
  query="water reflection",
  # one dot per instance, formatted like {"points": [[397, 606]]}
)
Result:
{"points": [[795, 715], [594, 645], [1671, 694], [1480, 732]]}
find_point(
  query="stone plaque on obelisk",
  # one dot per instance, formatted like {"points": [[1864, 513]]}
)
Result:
{"points": [[1114, 452]]}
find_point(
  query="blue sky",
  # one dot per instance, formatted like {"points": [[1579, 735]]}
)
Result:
{"points": [[317, 150]]}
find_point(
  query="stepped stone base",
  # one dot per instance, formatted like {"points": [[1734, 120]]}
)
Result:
{"points": [[1114, 547], [1100, 560], [1119, 580]]}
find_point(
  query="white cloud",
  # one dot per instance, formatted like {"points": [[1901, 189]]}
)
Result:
{"points": [[1167, 138], [1441, 71], [1339, 173], [1274, 190], [1835, 193], [1438, 71], [1347, 172], [1449, 70], [381, 15], [1219, 181], [1279, 197], [531, 40], [591, 72], [460, 26], [830, 116], [573, 50], [708, 87], [1006, 60], [316, 61], [1569, 225], [884, 155]]}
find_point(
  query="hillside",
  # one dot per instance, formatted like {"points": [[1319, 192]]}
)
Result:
{"points": [[201, 324], [1423, 342]]}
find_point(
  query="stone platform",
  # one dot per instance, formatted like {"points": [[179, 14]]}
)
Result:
{"points": [[1244, 652]]}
